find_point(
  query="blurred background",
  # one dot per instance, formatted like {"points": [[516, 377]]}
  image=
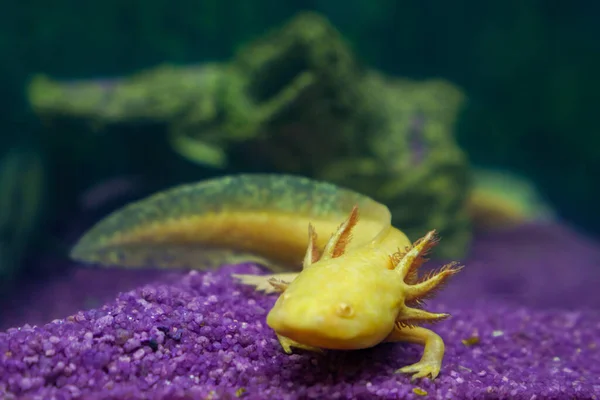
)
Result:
{"points": [[464, 116]]}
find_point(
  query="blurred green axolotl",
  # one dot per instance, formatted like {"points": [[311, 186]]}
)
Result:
{"points": [[348, 279]]}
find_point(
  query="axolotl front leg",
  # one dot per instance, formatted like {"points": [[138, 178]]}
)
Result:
{"points": [[276, 283], [433, 354], [272, 283]]}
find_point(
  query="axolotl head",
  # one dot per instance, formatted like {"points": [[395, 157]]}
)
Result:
{"points": [[354, 299], [348, 302]]}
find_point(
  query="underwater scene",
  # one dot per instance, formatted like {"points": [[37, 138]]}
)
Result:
{"points": [[300, 200]]}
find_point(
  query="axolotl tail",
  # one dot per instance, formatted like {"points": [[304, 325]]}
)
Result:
{"points": [[249, 217]]}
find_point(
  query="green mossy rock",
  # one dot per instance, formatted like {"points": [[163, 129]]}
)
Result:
{"points": [[297, 101]]}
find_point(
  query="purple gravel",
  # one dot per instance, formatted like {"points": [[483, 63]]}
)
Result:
{"points": [[200, 333]]}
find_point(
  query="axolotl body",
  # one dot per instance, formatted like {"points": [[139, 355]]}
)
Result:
{"points": [[342, 286]]}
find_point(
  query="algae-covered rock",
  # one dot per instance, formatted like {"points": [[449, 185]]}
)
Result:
{"points": [[410, 160], [177, 96], [297, 101], [294, 76]]}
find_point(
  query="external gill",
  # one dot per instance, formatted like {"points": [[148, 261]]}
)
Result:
{"points": [[408, 262], [312, 252], [417, 289], [335, 247]]}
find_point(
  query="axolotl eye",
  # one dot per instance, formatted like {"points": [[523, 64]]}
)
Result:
{"points": [[344, 310]]}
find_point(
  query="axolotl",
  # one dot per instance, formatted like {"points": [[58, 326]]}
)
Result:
{"points": [[347, 278]]}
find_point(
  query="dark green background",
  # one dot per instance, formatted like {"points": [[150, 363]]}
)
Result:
{"points": [[530, 68]]}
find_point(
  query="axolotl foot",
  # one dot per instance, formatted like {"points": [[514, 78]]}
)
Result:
{"points": [[431, 361], [422, 369]]}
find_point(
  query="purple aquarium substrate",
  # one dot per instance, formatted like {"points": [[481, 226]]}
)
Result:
{"points": [[525, 325]]}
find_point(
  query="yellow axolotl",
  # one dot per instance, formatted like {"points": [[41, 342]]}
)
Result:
{"points": [[354, 286]]}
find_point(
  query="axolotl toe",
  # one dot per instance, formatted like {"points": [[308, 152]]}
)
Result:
{"points": [[352, 290]]}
